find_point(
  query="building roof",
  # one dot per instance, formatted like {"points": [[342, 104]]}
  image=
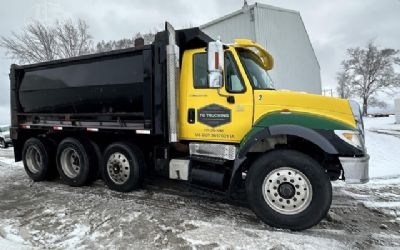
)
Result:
{"points": [[263, 6], [242, 10]]}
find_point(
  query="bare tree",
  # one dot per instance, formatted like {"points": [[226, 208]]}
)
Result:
{"points": [[35, 43], [343, 89], [149, 37], [38, 43], [369, 71], [104, 46], [73, 38]]}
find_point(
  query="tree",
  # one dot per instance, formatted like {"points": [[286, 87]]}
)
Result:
{"points": [[35, 43], [124, 43], [343, 88], [369, 71], [73, 38], [113, 45], [38, 43]]}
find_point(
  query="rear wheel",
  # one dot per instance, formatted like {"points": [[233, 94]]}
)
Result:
{"points": [[38, 159], [288, 189], [76, 162], [123, 167]]}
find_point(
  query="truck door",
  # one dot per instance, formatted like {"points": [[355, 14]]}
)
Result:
{"points": [[214, 114]]}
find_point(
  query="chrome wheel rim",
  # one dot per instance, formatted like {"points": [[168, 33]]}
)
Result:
{"points": [[34, 159], [118, 168], [2, 144], [287, 191], [70, 162]]}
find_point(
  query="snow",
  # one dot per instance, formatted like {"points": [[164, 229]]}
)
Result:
{"points": [[384, 149], [74, 238], [10, 237], [230, 237]]}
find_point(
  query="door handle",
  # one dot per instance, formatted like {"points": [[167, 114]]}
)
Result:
{"points": [[230, 99], [191, 116]]}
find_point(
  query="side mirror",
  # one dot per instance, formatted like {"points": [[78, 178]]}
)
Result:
{"points": [[215, 64]]}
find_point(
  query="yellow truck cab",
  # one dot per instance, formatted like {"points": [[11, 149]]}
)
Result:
{"points": [[190, 109]]}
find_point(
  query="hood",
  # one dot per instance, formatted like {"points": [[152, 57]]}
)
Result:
{"points": [[337, 109]]}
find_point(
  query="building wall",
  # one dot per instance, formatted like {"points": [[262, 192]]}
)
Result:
{"points": [[283, 34], [236, 26]]}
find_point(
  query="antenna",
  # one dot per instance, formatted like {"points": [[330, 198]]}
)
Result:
{"points": [[245, 6]]}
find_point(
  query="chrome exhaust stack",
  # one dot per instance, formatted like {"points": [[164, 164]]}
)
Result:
{"points": [[172, 82]]}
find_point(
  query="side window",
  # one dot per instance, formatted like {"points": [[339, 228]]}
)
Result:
{"points": [[200, 75], [233, 80]]}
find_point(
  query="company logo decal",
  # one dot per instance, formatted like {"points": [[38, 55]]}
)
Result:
{"points": [[214, 115]]}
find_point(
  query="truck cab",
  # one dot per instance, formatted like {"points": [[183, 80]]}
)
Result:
{"points": [[190, 109], [245, 104]]}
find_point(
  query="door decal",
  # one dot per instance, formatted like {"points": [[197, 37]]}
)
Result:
{"points": [[214, 115]]}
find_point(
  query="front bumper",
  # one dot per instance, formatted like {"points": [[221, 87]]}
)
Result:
{"points": [[355, 169]]}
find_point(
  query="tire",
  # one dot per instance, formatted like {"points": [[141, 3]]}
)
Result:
{"points": [[123, 167], [288, 203], [38, 160], [3, 143], [76, 162]]}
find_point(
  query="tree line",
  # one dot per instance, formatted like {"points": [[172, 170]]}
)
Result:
{"points": [[37, 42]]}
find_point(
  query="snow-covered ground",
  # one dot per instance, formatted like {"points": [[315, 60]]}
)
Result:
{"points": [[383, 144], [170, 215]]}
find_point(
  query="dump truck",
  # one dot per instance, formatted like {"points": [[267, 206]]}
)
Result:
{"points": [[191, 109]]}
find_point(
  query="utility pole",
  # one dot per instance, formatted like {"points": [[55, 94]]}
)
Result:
{"points": [[327, 92]]}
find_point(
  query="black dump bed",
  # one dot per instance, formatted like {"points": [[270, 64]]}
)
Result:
{"points": [[107, 90], [105, 84], [122, 89]]}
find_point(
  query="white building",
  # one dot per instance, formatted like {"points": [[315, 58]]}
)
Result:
{"points": [[283, 34]]}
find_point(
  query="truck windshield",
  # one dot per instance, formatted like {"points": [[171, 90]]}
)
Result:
{"points": [[255, 70]]}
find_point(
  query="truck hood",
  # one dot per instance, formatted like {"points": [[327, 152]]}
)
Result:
{"points": [[267, 101]]}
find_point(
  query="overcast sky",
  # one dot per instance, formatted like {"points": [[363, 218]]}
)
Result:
{"points": [[333, 26]]}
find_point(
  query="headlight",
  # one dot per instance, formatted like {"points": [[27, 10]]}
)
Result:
{"points": [[357, 113], [351, 137]]}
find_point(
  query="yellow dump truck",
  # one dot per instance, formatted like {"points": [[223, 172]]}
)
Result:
{"points": [[191, 109]]}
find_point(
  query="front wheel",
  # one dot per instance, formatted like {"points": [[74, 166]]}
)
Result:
{"points": [[288, 189]]}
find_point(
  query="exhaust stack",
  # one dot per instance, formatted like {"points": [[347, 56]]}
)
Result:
{"points": [[172, 82]]}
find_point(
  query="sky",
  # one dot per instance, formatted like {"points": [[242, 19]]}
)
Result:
{"points": [[333, 26]]}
